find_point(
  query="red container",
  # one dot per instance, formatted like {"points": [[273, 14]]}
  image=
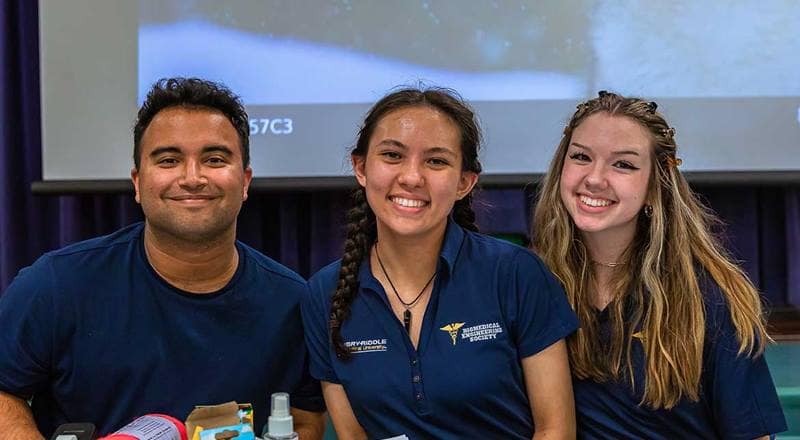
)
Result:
{"points": [[151, 427]]}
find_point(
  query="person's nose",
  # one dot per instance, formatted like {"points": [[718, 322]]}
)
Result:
{"points": [[596, 178], [193, 176], [411, 174]]}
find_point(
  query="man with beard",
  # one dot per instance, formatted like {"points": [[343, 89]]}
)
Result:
{"points": [[166, 314]]}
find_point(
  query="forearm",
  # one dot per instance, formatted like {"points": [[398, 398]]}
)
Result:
{"points": [[556, 431], [344, 420], [308, 425], [549, 386], [554, 434], [16, 420], [309, 432]]}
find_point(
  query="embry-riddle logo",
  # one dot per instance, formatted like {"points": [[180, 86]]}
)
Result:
{"points": [[452, 329]]}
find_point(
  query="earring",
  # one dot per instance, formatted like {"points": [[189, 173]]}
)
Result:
{"points": [[648, 211]]}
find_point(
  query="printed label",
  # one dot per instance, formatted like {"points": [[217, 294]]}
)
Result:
{"points": [[366, 346], [151, 428], [482, 332]]}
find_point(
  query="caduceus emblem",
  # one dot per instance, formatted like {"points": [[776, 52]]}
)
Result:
{"points": [[453, 329]]}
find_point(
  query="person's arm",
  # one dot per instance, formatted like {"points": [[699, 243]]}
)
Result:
{"points": [[549, 387], [738, 387], [16, 420], [26, 335], [344, 420], [309, 425]]}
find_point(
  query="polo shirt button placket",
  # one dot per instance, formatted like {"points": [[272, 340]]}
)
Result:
{"points": [[416, 385]]}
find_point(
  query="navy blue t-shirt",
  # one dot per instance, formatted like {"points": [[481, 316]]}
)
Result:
{"points": [[492, 305], [737, 396], [95, 335]]}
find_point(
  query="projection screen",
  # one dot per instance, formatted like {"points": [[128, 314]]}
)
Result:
{"points": [[726, 75]]}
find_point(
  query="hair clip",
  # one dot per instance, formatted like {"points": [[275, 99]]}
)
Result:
{"points": [[668, 132], [602, 93], [674, 161], [652, 106]]}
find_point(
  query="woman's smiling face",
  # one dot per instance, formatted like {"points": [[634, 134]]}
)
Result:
{"points": [[606, 175], [412, 171]]}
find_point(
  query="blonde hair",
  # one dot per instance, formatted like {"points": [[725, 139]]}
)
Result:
{"points": [[657, 290]]}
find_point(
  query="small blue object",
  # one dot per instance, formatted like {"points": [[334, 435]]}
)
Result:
{"points": [[243, 430]]}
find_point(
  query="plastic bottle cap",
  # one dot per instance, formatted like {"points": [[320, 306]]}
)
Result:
{"points": [[280, 421]]}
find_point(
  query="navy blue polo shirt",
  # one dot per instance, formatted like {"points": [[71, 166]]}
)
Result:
{"points": [[737, 396], [493, 304], [94, 334]]}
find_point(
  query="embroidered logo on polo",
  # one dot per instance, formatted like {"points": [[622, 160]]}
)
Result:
{"points": [[453, 329], [474, 333], [366, 346]]}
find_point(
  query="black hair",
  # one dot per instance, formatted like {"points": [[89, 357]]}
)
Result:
{"points": [[192, 93]]}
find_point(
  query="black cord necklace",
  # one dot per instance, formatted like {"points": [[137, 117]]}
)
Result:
{"points": [[406, 305]]}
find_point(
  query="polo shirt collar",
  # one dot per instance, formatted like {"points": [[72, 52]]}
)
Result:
{"points": [[451, 247]]}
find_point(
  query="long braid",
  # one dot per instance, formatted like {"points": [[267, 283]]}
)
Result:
{"points": [[463, 213], [360, 236]]}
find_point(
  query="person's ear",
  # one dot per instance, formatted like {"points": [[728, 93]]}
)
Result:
{"points": [[466, 182], [359, 169], [248, 177], [135, 180]]}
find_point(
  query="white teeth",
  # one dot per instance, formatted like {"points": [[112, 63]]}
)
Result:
{"points": [[594, 202], [408, 203]]}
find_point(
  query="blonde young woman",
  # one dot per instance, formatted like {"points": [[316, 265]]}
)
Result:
{"points": [[672, 335]]}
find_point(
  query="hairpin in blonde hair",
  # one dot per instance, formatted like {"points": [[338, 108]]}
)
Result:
{"points": [[674, 161]]}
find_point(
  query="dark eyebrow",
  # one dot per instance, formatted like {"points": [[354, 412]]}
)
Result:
{"points": [[434, 150], [218, 149], [164, 150], [170, 149], [393, 143], [442, 150], [616, 153]]}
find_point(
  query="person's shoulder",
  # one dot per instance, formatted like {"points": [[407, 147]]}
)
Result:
{"points": [[715, 304], [95, 249], [75, 261], [323, 282], [102, 244], [321, 287], [327, 275], [487, 248], [713, 298], [269, 267]]}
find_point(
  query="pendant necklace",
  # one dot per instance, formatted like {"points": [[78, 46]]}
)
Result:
{"points": [[406, 305]]}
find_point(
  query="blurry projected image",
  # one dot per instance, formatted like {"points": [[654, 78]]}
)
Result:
{"points": [[727, 77]]}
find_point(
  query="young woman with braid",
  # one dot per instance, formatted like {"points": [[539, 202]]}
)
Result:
{"points": [[425, 327], [672, 334]]}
